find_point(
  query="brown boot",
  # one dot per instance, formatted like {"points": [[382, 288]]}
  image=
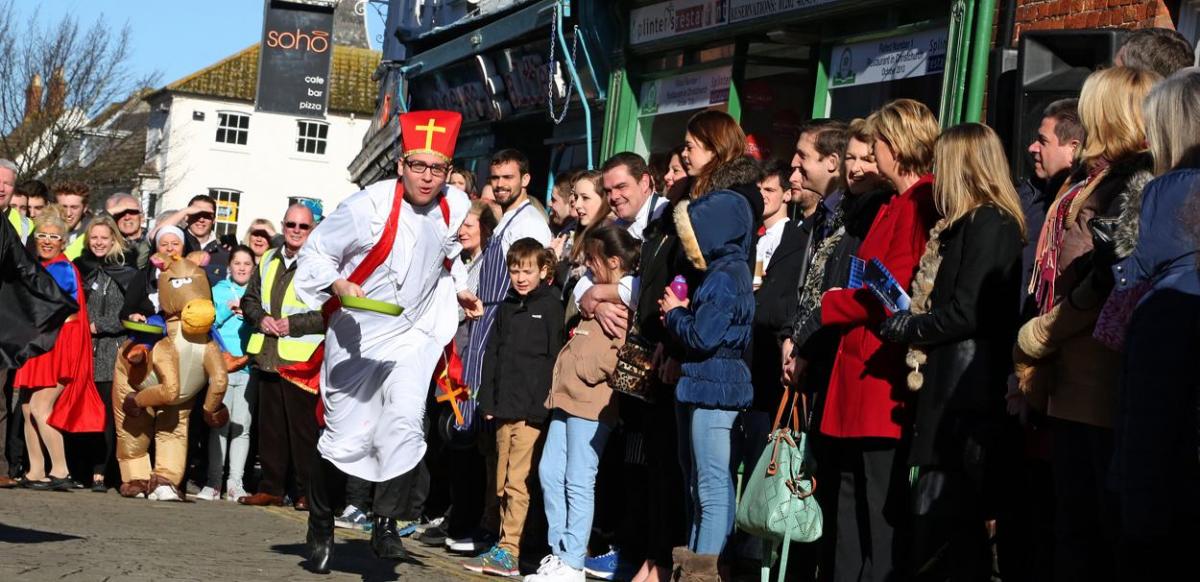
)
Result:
{"points": [[679, 557], [135, 488], [700, 568]]}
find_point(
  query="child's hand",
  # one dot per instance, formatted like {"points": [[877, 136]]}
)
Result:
{"points": [[669, 301]]}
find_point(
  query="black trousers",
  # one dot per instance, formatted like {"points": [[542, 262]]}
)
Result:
{"points": [[287, 433], [91, 454], [863, 497], [655, 520], [399, 498], [1085, 518], [12, 429]]}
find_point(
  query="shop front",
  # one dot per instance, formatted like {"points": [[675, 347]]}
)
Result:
{"points": [[528, 79], [773, 64]]}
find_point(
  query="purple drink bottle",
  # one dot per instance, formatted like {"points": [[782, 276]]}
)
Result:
{"points": [[679, 287]]}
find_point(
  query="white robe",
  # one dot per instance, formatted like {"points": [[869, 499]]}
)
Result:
{"points": [[377, 368]]}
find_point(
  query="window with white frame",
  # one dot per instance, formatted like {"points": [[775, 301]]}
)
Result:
{"points": [[313, 136], [227, 209], [232, 128]]}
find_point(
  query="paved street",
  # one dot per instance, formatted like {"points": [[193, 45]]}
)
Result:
{"points": [[87, 536]]}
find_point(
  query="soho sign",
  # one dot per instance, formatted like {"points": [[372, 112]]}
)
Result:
{"points": [[293, 64], [317, 41]]}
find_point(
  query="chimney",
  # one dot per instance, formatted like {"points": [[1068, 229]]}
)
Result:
{"points": [[33, 96], [56, 94]]}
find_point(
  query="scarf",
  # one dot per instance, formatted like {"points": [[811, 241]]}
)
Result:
{"points": [[922, 292], [811, 291]]}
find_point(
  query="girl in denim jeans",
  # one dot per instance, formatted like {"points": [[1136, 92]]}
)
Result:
{"points": [[583, 413], [713, 328]]}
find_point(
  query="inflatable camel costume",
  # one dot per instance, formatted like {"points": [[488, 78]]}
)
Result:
{"points": [[153, 389]]}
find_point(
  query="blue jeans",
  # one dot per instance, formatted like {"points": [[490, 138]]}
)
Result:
{"points": [[705, 442], [570, 460]]}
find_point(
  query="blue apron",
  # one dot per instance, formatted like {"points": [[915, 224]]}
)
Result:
{"points": [[493, 286]]}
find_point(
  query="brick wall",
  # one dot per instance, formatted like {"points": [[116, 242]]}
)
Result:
{"points": [[1068, 14]]}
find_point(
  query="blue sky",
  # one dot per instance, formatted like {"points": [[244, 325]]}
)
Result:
{"points": [[173, 37]]}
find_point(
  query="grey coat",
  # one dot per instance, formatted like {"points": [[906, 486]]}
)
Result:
{"points": [[105, 296]]}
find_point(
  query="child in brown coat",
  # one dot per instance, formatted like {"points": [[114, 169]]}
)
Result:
{"points": [[583, 412]]}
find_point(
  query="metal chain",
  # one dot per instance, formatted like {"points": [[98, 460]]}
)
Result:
{"points": [[559, 117]]}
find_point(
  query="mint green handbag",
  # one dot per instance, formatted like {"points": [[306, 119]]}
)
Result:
{"points": [[778, 504]]}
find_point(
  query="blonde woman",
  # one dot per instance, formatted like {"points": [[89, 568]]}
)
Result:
{"points": [[1155, 471], [107, 268], [1060, 365], [260, 237], [965, 307], [864, 407]]}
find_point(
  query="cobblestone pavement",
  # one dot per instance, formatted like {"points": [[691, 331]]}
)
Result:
{"points": [[86, 536]]}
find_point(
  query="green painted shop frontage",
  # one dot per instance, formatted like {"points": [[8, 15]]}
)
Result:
{"points": [[773, 64]]}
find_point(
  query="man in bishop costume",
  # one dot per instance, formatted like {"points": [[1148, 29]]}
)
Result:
{"points": [[395, 242]]}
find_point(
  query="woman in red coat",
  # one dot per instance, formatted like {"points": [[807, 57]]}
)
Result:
{"points": [[864, 415], [57, 388]]}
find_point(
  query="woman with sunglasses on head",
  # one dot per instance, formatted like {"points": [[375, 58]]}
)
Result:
{"points": [[62, 374], [106, 268], [260, 238], [141, 298]]}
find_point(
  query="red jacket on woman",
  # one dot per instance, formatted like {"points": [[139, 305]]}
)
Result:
{"points": [[867, 390]]}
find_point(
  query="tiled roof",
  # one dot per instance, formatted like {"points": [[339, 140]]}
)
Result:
{"points": [[351, 89]]}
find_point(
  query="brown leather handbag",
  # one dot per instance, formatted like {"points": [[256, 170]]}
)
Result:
{"points": [[634, 373]]}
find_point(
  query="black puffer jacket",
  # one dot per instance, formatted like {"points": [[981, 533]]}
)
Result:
{"points": [[518, 364]]}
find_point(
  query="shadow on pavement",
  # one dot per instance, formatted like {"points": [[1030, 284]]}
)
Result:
{"points": [[353, 557], [20, 535]]}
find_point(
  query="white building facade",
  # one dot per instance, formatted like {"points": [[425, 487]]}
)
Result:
{"points": [[205, 137]]}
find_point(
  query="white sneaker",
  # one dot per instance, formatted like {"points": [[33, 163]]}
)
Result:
{"points": [[553, 569], [208, 494], [234, 492], [163, 493]]}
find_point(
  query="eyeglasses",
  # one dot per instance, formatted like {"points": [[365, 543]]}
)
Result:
{"points": [[299, 225], [127, 212], [419, 167], [48, 236]]}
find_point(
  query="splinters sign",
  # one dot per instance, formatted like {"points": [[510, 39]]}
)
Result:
{"points": [[294, 59]]}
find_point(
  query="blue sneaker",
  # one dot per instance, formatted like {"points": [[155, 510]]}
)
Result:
{"points": [[496, 561], [604, 566], [353, 518]]}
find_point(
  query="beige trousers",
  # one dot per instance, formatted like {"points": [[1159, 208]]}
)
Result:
{"points": [[167, 425], [516, 451]]}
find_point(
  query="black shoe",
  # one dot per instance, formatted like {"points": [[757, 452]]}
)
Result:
{"points": [[433, 537], [385, 540], [320, 550], [27, 483], [98, 486], [64, 483]]}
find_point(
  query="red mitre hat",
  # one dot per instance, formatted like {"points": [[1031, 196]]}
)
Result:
{"points": [[430, 132]]}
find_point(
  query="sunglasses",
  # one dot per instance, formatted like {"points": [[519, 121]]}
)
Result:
{"points": [[299, 225], [127, 212], [48, 236], [419, 167]]}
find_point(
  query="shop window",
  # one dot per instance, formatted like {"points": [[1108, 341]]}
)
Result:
{"points": [[1189, 21], [667, 104], [866, 75], [232, 128], [312, 137], [227, 209]]}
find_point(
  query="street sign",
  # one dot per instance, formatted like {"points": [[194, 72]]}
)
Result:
{"points": [[294, 59]]}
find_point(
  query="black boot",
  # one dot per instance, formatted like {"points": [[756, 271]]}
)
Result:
{"points": [[385, 540], [320, 549]]}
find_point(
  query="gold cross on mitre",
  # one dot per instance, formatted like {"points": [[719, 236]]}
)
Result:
{"points": [[429, 129]]}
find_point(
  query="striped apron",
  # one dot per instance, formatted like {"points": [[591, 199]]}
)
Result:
{"points": [[493, 286]]}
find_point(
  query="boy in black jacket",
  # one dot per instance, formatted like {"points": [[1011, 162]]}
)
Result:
{"points": [[517, 368]]}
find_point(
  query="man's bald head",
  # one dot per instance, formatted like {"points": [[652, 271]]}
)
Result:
{"points": [[297, 224]]}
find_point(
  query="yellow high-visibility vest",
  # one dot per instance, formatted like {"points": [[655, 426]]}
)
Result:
{"points": [[292, 349]]}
